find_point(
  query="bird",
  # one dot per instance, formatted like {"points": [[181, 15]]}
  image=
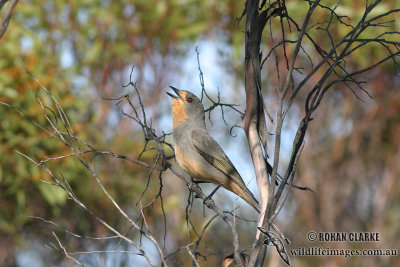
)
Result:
{"points": [[197, 152]]}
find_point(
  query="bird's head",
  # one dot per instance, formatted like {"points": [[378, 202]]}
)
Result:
{"points": [[186, 106]]}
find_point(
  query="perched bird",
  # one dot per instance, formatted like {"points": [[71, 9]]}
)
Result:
{"points": [[197, 152]]}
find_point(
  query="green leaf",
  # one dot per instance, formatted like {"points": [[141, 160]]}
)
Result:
{"points": [[52, 194]]}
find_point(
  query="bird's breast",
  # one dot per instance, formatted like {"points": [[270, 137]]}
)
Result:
{"points": [[188, 161]]}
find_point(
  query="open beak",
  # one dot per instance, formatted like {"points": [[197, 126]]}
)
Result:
{"points": [[176, 92]]}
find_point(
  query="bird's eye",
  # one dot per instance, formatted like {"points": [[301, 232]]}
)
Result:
{"points": [[189, 100]]}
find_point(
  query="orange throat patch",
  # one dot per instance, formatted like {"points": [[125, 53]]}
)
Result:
{"points": [[178, 111]]}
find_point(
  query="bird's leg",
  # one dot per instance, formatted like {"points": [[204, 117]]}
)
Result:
{"points": [[212, 193]]}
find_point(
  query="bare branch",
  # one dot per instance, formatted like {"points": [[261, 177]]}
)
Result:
{"points": [[7, 15], [66, 252], [211, 205]]}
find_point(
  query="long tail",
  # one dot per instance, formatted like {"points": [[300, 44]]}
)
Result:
{"points": [[249, 198], [245, 194]]}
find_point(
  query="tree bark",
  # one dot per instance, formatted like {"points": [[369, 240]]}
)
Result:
{"points": [[254, 122]]}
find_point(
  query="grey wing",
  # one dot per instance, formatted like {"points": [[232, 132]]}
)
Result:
{"points": [[209, 149], [206, 146]]}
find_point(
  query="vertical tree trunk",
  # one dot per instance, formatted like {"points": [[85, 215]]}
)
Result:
{"points": [[254, 123]]}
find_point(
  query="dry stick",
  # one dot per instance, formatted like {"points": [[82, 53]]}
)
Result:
{"points": [[325, 59], [193, 257], [66, 252], [279, 207], [179, 249], [70, 134], [77, 201], [68, 231], [195, 250], [214, 103], [148, 234], [94, 174], [104, 251], [211, 205], [95, 151], [318, 91], [280, 115], [7, 17], [351, 35]]}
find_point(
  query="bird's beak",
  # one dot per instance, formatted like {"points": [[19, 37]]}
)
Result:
{"points": [[176, 92]]}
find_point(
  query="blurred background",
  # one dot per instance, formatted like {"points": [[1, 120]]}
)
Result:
{"points": [[83, 52]]}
